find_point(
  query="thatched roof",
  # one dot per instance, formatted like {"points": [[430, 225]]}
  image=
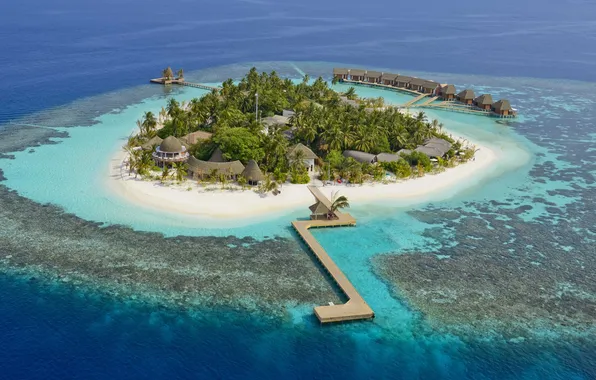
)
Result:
{"points": [[448, 89], [252, 172], [357, 72], [484, 100], [388, 76], [171, 145], [435, 147], [319, 208], [466, 94], [429, 84], [359, 156], [387, 157], [275, 120], [152, 143], [502, 105], [217, 156], [373, 74], [206, 167], [431, 151], [438, 141], [403, 151], [403, 78], [339, 71], [417, 82], [193, 137], [308, 154]]}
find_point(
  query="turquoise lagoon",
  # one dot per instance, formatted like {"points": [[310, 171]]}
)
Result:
{"points": [[534, 177]]}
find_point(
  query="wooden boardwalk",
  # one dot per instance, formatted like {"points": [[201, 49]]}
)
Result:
{"points": [[416, 99], [355, 308], [184, 83], [426, 103], [388, 87]]}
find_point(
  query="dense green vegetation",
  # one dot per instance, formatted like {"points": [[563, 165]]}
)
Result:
{"points": [[323, 121]]}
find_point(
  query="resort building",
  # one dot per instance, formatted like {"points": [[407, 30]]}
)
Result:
{"points": [[484, 101], [170, 151], [403, 81], [252, 173], [274, 120], [341, 74], [434, 147], [387, 157], [372, 77], [199, 169], [428, 87], [320, 210], [466, 97], [502, 107], [217, 156], [416, 84], [447, 92], [307, 154], [388, 79], [360, 156], [357, 75]]}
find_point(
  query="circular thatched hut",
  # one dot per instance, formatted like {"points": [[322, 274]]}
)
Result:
{"points": [[170, 151], [252, 173]]}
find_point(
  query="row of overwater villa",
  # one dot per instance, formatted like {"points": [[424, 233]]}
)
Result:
{"points": [[442, 96]]}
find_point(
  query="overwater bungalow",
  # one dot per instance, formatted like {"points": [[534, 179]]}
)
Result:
{"points": [[308, 155], [416, 84], [502, 107], [428, 87], [360, 156], [170, 151], [320, 210], [403, 81], [388, 79], [466, 96], [447, 92], [357, 75], [373, 77], [252, 173], [199, 169], [484, 101], [341, 74]]}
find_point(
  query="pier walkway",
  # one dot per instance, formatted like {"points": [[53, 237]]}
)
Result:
{"points": [[184, 83], [355, 308], [416, 99]]}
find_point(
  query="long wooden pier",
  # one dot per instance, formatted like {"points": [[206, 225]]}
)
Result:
{"points": [[355, 308], [184, 83], [416, 99]]}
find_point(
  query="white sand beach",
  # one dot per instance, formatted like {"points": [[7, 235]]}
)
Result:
{"points": [[192, 199]]}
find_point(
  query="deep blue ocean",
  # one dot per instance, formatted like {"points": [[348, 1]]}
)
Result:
{"points": [[58, 53]]}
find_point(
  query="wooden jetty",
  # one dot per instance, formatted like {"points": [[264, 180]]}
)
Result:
{"points": [[368, 84], [355, 308], [182, 82], [416, 99]]}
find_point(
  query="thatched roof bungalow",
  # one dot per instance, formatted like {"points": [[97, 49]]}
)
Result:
{"points": [[466, 96], [357, 74], [388, 79], [170, 151], [416, 84], [252, 173], [387, 157], [502, 107], [484, 101], [152, 143], [340, 73], [447, 92], [402, 81], [373, 77], [428, 87], [360, 156], [194, 137], [308, 156], [200, 169]]}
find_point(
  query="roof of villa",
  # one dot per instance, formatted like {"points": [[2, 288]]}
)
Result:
{"points": [[193, 137], [275, 120], [448, 89], [403, 78], [430, 84], [389, 76], [339, 71], [217, 156], [438, 141], [152, 143], [252, 172], [206, 167], [466, 94], [502, 105], [171, 145], [403, 151], [319, 208], [484, 99], [431, 151], [358, 72], [417, 81], [359, 156], [387, 157], [373, 74], [308, 153]]}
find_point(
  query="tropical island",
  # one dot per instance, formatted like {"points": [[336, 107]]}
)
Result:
{"points": [[266, 133]]}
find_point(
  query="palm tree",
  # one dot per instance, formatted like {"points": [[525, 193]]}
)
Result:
{"points": [[351, 93], [168, 74], [268, 184], [180, 74], [165, 173], [338, 202], [149, 124], [335, 80], [180, 170]]}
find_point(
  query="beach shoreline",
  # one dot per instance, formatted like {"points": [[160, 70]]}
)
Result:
{"points": [[193, 200]]}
